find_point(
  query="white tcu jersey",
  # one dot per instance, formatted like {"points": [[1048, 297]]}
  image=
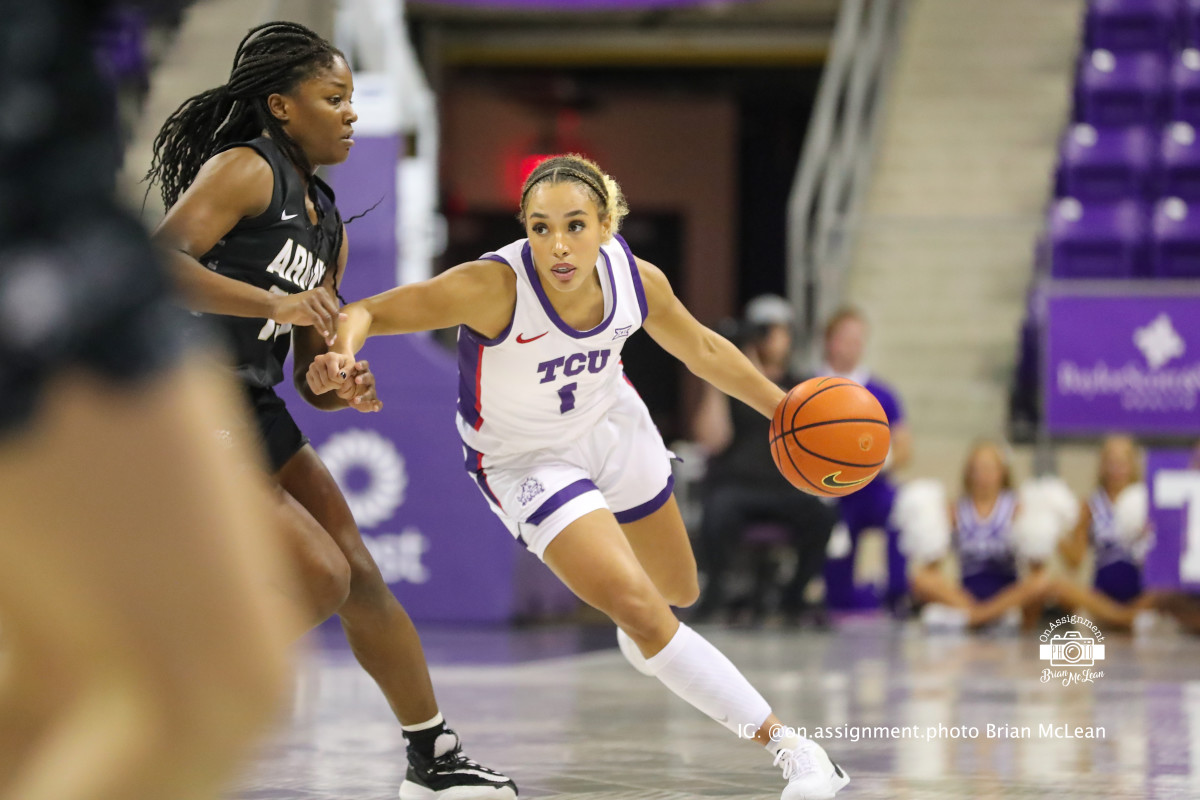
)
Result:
{"points": [[541, 382]]}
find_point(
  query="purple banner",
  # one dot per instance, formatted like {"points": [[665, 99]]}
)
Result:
{"points": [[443, 552], [1127, 363], [1173, 479]]}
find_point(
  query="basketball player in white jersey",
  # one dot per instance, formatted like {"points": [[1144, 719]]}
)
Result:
{"points": [[562, 446]]}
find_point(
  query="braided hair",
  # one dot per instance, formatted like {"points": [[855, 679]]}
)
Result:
{"points": [[272, 59], [600, 186]]}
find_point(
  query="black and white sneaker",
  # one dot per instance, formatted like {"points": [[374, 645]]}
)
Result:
{"points": [[450, 775]]}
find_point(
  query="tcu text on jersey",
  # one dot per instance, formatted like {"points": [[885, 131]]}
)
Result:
{"points": [[573, 364], [296, 264]]}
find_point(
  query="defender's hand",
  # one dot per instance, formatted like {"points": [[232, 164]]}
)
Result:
{"points": [[329, 372], [359, 390]]}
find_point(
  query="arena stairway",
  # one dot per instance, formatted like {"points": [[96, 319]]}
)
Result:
{"points": [[977, 100]]}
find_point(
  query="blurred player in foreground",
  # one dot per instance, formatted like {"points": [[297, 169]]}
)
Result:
{"points": [[141, 649]]}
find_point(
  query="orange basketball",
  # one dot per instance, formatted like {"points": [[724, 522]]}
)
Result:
{"points": [[829, 436]]}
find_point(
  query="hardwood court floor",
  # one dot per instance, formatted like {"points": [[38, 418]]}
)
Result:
{"points": [[568, 720]]}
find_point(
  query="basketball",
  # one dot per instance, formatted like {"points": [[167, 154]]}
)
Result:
{"points": [[829, 436]]}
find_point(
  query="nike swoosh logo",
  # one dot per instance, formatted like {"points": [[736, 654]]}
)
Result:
{"points": [[287, 216], [490, 776], [831, 481], [527, 341]]}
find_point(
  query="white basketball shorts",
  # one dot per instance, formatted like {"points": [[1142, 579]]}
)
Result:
{"points": [[620, 464]]}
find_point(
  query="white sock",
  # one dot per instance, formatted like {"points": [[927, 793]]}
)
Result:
{"points": [[632, 653], [426, 725], [699, 673]]}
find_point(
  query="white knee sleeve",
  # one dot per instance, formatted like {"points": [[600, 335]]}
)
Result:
{"points": [[699, 673], [632, 654]]}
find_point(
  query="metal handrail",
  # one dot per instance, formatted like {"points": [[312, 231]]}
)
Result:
{"points": [[836, 158]]}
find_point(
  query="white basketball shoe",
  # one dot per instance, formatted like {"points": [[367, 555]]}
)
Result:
{"points": [[809, 772]]}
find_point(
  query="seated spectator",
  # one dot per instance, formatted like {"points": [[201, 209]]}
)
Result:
{"points": [[870, 507], [742, 485]]}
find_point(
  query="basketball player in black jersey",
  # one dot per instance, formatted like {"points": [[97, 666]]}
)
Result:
{"points": [[256, 241]]}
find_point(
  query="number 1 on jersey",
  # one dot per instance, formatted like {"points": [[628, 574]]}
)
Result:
{"points": [[567, 397]]}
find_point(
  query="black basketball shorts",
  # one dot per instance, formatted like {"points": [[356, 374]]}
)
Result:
{"points": [[277, 433]]}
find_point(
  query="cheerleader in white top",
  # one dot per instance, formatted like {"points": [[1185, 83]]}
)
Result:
{"points": [[983, 529], [1113, 523], [562, 447]]}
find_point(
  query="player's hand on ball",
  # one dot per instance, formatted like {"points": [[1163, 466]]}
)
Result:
{"points": [[329, 372], [359, 390]]}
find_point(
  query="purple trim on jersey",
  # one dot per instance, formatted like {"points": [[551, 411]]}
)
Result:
{"points": [[887, 398], [474, 465], [475, 335], [470, 364], [481, 479], [985, 546], [650, 506], [635, 274], [527, 257], [560, 499], [474, 458], [1106, 541], [478, 338]]}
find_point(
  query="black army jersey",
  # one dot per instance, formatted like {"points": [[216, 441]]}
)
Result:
{"points": [[281, 251]]}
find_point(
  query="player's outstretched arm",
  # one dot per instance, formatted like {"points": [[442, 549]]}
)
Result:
{"points": [[356, 388], [478, 294], [705, 352]]}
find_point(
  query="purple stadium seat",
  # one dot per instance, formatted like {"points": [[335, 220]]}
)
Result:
{"points": [[1180, 162], [1106, 164], [1097, 240], [1185, 87], [1117, 89], [1175, 239], [1191, 22], [1131, 24]]}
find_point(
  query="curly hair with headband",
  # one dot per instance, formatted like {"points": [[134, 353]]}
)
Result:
{"points": [[600, 186]]}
